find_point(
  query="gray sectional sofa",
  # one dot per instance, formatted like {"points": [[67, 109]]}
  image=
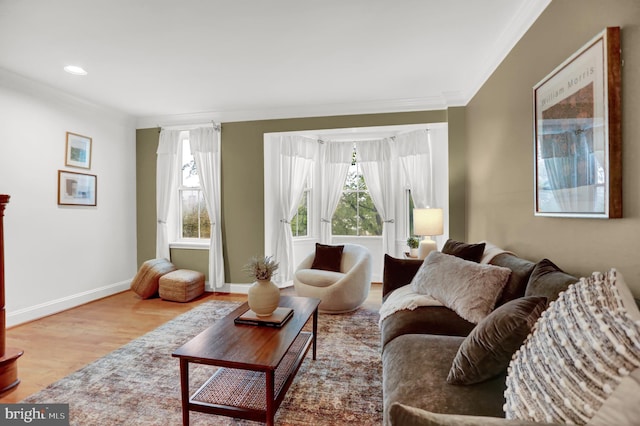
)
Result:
{"points": [[419, 345]]}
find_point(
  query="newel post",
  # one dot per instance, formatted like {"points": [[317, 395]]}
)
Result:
{"points": [[8, 356]]}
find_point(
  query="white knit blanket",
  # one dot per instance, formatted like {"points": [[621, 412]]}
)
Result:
{"points": [[404, 298], [491, 251]]}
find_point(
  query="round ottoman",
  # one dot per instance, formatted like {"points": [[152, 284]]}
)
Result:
{"points": [[181, 285]]}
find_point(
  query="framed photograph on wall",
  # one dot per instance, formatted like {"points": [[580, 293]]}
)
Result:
{"points": [[78, 151], [578, 133], [77, 189]]}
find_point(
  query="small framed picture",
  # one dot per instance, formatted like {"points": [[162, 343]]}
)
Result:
{"points": [[77, 189], [78, 152]]}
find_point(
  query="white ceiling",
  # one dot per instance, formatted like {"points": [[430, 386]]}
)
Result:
{"points": [[228, 60]]}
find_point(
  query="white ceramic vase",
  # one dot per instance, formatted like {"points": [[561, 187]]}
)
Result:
{"points": [[264, 297], [413, 252]]}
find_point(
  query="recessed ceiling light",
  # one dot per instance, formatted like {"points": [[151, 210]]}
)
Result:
{"points": [[75, 70]]}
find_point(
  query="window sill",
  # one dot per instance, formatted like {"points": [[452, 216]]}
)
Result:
{"points": [[190, 245]]}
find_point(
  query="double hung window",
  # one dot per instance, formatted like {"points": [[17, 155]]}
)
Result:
{"points": [[300, 222], [193, 217], [356, 215]]}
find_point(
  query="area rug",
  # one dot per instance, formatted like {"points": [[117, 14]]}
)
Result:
{"points": [[139, 384]]}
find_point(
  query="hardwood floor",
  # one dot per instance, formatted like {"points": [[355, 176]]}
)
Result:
{"points": [[58, 345]]}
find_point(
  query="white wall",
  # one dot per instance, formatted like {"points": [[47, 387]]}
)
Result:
{"points": [[58, 257]]}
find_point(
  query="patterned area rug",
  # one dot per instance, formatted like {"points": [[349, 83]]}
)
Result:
{"points": [[139, 384]]}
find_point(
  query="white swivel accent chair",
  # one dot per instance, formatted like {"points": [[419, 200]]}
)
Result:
{"points": [[339, 292]]}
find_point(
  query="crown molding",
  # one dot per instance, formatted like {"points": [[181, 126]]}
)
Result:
{"points": [[20, 83], [529, 12], [299, 111]]}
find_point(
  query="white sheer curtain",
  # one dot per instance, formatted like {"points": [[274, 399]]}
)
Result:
{"points": [[377, 167], [205, 147], [296, 159], [166, 181], [336, 158], [415, 153]]}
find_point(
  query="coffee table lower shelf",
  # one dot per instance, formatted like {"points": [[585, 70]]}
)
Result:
{"points": [[244, 393]]}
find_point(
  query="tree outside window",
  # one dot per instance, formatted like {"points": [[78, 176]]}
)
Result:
{"points": [[299, 227], [194, 219], [355, 214]]}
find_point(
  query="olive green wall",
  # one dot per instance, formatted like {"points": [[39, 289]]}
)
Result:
{"points": [[457, 174], [243, 182], [500, 146], [146, 146]]}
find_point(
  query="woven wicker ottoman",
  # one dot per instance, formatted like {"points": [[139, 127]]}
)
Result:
{"points": [[181, 285], [146, 281]]}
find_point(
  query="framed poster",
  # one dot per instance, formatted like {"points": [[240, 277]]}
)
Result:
{"points": [[77, 189], [78, 151], [578, 133]]}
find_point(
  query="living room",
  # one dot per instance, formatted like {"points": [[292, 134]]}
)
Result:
{"points": [[64, 257]]}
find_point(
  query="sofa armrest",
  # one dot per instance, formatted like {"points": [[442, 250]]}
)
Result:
{"points": [[405, 415], [397, 273]]}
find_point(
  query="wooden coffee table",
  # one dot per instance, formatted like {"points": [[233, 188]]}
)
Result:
{"points": [[259, 363]]}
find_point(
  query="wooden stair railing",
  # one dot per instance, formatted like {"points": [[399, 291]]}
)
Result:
{"points": [[8, 356]]}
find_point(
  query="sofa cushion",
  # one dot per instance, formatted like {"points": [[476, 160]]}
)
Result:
{"points": [[415, 373], [468, 288], [584, 347], [438, 320], [548, 280], [487, 350], [521, 270], [470, 252], [318, 277], [328, 258], [404, 415]]}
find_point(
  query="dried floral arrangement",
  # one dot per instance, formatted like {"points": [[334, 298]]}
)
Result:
{"points": [[261, 268]]}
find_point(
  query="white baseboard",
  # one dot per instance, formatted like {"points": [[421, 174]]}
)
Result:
{"points": [[35, 312], [31, 313]]}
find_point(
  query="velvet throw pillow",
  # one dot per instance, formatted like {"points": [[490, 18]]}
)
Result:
{"points": [[469, 289], [471, 252], [328, 258], [548, 280], [487, 350]]}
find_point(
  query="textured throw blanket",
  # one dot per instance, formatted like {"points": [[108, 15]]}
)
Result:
{"points": [[491, 251], [405, 298]]}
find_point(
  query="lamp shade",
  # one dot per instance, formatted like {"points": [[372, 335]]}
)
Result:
{"points": [[427, 222]]}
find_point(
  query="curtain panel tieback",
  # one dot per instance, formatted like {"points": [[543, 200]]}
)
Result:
{"points": [[389, 221], [162, 222], [284, 221], [323, 220]]}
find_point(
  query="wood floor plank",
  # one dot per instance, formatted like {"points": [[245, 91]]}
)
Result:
{"points": [[58, 345]]}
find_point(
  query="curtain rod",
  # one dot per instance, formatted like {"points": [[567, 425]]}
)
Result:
{"points": [[190, 126]]}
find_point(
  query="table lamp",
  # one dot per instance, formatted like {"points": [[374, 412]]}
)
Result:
{"points": [[427, 223]]}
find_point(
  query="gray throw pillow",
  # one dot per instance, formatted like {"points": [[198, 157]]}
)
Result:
{"points": [[488, 349], [548, 280], [468, 288]]}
